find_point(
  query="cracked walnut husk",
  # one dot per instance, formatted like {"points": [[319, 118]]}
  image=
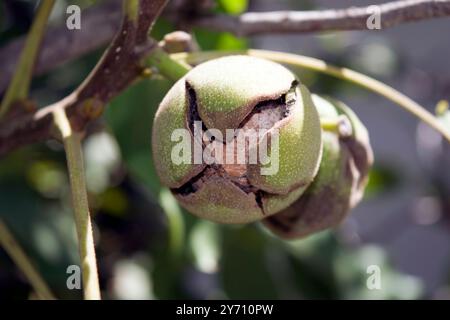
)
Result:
{"points": [[252, 97]]}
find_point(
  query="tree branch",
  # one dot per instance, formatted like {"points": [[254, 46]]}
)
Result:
{"points": [[355, 18], [119, 67], [123, 63], [61, 44]]}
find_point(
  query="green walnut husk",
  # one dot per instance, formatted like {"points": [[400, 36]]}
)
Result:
{"points": [[230, 93], [338, 186]]}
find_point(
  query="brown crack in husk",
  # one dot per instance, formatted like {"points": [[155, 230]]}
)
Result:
{"points": [[263, 117]]}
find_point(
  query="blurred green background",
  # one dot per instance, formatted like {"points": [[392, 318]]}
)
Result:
{"points": [[149, 248]]}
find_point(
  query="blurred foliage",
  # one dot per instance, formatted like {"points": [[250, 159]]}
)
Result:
{"points": [[443, 113], [381, 179], [147, 246], [233, 6]]}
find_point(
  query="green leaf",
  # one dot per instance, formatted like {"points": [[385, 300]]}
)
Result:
{"points": [[219, 41], [233, 6], [227, 41], [244, 270]]}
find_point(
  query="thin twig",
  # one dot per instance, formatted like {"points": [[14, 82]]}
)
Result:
{"points": [[165, 65], [17, 254], [62, 45], [354, 18], [342, 73], [20, 84], [131, 9], [121, 65], [75, 164], [86, 103]]}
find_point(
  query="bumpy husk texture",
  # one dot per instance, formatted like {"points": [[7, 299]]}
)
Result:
{"points": [[338, 186], [247, 93]]}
